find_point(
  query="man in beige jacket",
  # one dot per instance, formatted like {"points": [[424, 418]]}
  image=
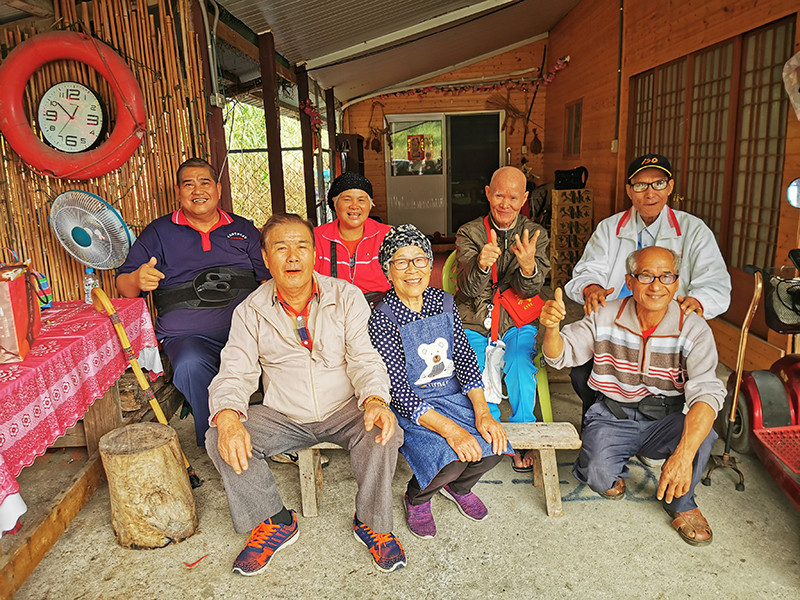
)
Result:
{"points": [[306, 335]]}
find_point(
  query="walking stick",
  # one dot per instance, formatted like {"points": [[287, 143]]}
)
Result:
{"points": [[726, 461], [101, 302]]}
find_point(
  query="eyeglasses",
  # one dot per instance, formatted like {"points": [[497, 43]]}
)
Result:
{"points": [[401, 264], [647, 278], [641, 186]]}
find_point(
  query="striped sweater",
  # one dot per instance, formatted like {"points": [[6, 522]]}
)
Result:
{"points": [[679, 357]]}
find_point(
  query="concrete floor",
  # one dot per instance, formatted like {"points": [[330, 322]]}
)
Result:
{"points": [[599, 549]]}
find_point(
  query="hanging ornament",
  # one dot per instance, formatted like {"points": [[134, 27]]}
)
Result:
{"points": [[536, 143]]}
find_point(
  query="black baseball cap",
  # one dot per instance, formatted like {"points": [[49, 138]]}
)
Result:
{"points": [[650, 161]]}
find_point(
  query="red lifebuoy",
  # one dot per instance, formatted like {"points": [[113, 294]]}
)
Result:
{"points": [[130, 127]]}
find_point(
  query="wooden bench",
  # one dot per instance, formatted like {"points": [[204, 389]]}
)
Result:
{"points": [[543, 438]]}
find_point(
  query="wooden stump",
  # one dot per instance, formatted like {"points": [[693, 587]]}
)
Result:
{"points": [[151, 498]]}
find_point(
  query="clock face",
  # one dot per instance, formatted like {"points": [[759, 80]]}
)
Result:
{"points": [[71, 117]]}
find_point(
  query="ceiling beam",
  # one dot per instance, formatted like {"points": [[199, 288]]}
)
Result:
{"points": [[234, 39], [39, 8], [396, 36]]}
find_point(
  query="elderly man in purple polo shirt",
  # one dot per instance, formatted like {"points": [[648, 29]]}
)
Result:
{"points": [[199, 262]]}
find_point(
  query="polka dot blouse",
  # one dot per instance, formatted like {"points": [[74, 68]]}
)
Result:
{"points": [[385, 337]]}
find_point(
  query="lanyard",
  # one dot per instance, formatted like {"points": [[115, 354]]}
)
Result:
{"points": [[493, 315], [300, 318]]}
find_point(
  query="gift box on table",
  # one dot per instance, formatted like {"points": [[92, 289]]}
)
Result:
{"points": [[20, 320]]}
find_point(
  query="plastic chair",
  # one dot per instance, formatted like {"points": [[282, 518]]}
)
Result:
{"points": [[449, 279]]}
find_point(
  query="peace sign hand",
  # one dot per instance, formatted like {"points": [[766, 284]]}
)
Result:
{"points": [[525, 251]]}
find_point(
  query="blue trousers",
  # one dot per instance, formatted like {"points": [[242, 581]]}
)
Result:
{"points": [[195, 362], [609, 442], [519, 370]]}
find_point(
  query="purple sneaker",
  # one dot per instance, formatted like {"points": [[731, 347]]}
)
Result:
{"points": [[469, 504], [420, 519]]}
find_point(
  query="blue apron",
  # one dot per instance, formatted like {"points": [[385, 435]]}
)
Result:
{"points": [[428, 346]]}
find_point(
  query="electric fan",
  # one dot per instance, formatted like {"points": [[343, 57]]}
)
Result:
{"points": [[90, 229]]}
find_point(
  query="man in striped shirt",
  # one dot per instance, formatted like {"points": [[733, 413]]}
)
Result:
{"points": [[657, 393]]}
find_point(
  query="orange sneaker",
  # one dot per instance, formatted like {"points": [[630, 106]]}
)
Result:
{"points": [[264, 541]]}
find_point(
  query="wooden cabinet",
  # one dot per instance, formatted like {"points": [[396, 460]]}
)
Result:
{"points": [[570, 229]]}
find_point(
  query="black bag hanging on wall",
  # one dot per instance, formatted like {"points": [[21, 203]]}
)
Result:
{"points": [[571, 179]]}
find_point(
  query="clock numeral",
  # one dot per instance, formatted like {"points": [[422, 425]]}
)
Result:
{"points": [[52, 127], [92, 120], [83, 141], [51, 115], [71, 140], [73, 94]]}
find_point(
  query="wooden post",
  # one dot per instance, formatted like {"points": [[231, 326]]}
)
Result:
{"points": [[330, 110], [151, 498], [103, 416], [307, 136], [269, 93]]}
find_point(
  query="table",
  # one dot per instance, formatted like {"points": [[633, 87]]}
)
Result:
{"points": [[75, 360]]}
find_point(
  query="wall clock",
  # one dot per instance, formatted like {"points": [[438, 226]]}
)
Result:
{"points": [[110, 153], [71, 117]]}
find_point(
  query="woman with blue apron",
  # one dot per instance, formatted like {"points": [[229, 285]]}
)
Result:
{"points": [[451, 439]]}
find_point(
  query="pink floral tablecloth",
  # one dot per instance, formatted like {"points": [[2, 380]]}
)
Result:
{"points": [[74, 360]]}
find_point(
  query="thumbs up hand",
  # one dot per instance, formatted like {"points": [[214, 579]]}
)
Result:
{"points": [[490, 252], [147, 276], [554, 311]]}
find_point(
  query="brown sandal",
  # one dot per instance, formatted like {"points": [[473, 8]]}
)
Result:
{"points": [[616, 492], [691, 525]]}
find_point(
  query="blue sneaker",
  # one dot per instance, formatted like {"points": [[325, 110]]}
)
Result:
{"points": [[385, 547], [264, 541]]}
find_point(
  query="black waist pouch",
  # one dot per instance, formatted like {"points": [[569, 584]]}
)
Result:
{"points": [[652, 407]]}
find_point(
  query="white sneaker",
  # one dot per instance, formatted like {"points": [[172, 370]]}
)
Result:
{"points": [[290, 458]]}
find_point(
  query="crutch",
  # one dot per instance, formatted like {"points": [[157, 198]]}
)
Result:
{"points": [[726, 461], [101, 302]]}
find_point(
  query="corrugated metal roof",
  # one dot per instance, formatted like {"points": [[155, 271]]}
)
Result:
{"points": [[304, 29], [362, 46]]}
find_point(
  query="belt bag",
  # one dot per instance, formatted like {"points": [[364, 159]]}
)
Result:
{"points": [[652, 407], [213, 288], [572, 179]]}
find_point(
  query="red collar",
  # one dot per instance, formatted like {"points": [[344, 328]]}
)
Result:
{"points": [[300, 318], [179, 218], [671, 219]]}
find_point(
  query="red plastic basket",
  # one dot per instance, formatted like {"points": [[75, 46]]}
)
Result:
{"points": [[783, 442]]}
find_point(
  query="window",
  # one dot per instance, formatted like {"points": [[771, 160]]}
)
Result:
{"points": [[720, 116], [572, 131]]}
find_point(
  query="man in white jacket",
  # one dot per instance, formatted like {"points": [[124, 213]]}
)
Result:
{"points": [[704, 287]]}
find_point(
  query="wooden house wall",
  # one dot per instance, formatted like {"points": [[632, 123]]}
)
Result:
{"points": [[356, 116], [157, 42], [654, 34]]}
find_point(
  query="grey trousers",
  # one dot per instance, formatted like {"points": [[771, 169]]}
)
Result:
{"points": [[253, 496], [609, 443]]}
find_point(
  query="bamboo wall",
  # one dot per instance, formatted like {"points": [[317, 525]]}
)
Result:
{"points": [[163, 53], [356, 117]]}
